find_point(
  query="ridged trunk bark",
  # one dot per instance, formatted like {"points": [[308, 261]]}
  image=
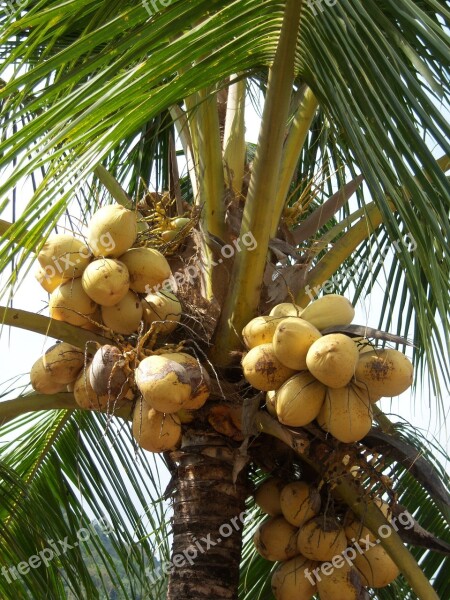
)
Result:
{"points": [[207, 522]]}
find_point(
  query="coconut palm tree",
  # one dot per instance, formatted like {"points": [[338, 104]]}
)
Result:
{"points": [[351, 161]]}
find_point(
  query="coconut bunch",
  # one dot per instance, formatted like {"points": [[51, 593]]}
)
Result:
{"points": [[299, 536], [107, 278], [329, 377]]}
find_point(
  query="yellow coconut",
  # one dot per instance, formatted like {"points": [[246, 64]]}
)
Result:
{"points": [[125, 316], [263, 370], [340, 582], [112, 231], [275, 539], [329, 311], [42, 380], [346, 413], [155, 431], [299, 502], [376, 567], [106, 281], [354, 528], [64, 362], [384, 372], [332, 359], [267, 496], [164, 383], [299, 400], [70, 303], [64, 255], [85, 396], [148, 269], [163, 308], [291, 341], [293, 579], [260, 330], [271, 403], [47, 280], [321, 539], [200, 380], [286, 309]]}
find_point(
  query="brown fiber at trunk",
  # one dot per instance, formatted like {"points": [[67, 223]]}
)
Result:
{"points": [[207, 505]]}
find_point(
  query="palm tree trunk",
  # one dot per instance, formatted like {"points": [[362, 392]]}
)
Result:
{"points": [[207, 524]]}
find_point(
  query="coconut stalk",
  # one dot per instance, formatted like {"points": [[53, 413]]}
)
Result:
{"points": [[10, 409], [59, 330], [367, 511], [242, 301], [297, 135], [234, 136], [207, 502]]}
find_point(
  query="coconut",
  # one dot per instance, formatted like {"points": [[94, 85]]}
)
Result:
{"points": [[64, 255], [42, 380], [148, 268], [275, 539], [200, 380], [331, 310], [164, 383], [106, 281], [177, 225], [267, 496], [47, 280], [332, 359], [70, 303], [263, 370], [85, 396], [299, 502], [354, 528], [271, 403], [64, 362], [107, 373], [346, 413], [321, 539], [259, 331], [155, 431], [162, 306], [342, 583], [125, 316], [286, 309], [112, 231], [293, 579], [384, 372], [292, 340], [376, 567], [299, 400]]}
